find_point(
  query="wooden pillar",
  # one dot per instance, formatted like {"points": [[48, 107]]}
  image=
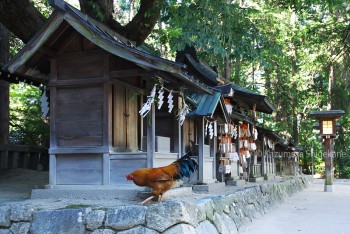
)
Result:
{"points": [[201, 149], [4, 97], [107, 124], [52, 171], [328, 146], [53, 135], [151, 136], [213, 143], [263, 161]]}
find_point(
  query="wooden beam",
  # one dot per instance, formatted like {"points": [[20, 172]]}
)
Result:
{"points": [[131, 73], [78, 82], [122, 83]]}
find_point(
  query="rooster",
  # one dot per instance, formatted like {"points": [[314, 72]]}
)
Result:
{"points": [[162, 179]]}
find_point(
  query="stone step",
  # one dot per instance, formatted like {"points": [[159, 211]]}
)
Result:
{"points": [[208, 188], [235, 182], [256, 179]]}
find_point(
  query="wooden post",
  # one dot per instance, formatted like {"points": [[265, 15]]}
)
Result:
{"points": [[212, 155], [52, 171], [151, 136], [53, 133], [328, 145], [201, 150], [4, 97], [263, 161]]}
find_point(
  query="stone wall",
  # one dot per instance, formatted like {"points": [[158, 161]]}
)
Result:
{"points": [[213, 214]]}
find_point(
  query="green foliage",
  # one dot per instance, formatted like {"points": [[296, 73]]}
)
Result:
{"points": [[27, 127]]}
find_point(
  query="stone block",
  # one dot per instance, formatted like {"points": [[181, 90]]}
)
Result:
{"points": [[5, 231], [205, 209], [138, 230], [125, 217], [269, 176], [21, 213], [256, 179], [5, 216], [20, 228], [103, 231], [208, 188], [206, 227], [235, 183], [162, 216], [59, 221], [180, 228], [94, 219]]}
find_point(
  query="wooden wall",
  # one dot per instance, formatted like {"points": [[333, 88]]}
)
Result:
{"points": [[80, 116], [84, 169]]}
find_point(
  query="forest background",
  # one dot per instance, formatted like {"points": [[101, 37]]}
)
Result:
{"points": [[294, 52]]}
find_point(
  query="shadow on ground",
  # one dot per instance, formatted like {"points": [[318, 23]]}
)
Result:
{"points": [[17, 184]]}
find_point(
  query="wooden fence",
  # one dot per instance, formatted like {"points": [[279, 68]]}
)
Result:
{"points": [[23, 156]]}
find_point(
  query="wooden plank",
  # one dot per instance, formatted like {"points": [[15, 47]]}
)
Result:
{"points": [[74, 169], [131, 73], [83, 66], [79, 150], [78, 82], [119, 127], [119, 168], [85, 95], [131, 116], [129, 86]]}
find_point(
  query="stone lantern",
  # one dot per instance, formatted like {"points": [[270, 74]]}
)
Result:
{"points": [[327, 126]]}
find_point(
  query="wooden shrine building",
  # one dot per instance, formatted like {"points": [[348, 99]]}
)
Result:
{"points": [[98, 84]]}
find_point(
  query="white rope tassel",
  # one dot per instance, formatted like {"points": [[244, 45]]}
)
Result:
{"points": [[160, 97], [170, 101], [148, 105], [44, 104], [183, 112], [211, 130]]}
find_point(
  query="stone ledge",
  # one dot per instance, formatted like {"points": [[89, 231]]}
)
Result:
{"points": [[229, 213]]}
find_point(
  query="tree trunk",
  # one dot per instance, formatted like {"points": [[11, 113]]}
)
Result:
{"points": [[331, 80], [294, 86], [228, 68], [4, 96], [21, 18]]}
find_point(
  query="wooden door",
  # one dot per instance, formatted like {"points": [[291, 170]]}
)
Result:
{"points": [[125, 120]]}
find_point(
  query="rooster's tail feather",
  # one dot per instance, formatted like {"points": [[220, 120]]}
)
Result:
{"points": [[186, 166]]}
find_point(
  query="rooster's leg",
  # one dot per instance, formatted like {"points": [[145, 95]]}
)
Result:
{"points": [[160, 198], [146, 200]]}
